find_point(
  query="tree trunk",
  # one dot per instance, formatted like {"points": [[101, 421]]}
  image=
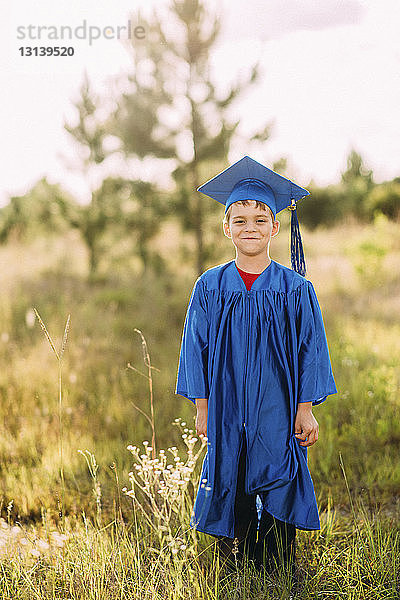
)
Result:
{"points": [[93, 258], [198, 208], [198, 212]]}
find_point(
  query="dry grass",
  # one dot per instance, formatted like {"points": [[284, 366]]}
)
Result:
{"points": [[136, 543]]}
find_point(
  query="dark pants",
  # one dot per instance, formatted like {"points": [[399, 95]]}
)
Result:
{"points": [[274, 542]]}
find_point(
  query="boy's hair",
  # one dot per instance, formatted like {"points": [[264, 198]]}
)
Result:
{"points": [[259, 204]]}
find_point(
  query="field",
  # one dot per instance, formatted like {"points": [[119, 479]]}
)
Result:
{"points": [[69, 528]]}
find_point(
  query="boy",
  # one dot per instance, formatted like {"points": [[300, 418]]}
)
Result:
{"points": [[254, 359]]}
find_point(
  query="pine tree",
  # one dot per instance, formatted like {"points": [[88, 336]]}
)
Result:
{"points": [[114, 206], [357, 182], [173, 110]]}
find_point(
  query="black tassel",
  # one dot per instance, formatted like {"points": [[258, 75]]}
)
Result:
{"points": [[296, 245]]}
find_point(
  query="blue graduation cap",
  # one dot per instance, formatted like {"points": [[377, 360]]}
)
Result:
{"points": [[247, 179]]}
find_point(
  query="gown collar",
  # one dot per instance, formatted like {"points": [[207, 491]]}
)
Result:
{"points": [[259, 283]]}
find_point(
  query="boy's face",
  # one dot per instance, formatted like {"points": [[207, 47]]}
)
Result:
{"points": [[251, 228]]}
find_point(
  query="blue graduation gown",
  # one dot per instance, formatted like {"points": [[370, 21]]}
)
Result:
{"points": [[254, 354]]}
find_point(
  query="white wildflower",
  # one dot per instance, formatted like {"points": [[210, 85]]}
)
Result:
{"points": [[42, 545], [30, 318]]}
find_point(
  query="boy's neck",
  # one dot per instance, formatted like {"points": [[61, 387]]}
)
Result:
{"points": [[252, 264]]}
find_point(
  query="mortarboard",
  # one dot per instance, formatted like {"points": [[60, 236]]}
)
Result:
{"points": [[247, 179]]}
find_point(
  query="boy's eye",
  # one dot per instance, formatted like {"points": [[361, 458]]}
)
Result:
{"points": [[241, 221]]}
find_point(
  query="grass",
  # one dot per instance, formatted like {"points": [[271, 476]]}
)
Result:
{"points": [[82, 535], [153, 554], [350, 557]]}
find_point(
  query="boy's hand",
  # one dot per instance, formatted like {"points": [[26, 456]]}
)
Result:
{"points": [[306, 426], [202, 414], [201, 423]]}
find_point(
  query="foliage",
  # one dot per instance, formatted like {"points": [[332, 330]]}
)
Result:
{"points": [[172, 99], [324, 206], [384, 199], [89, 130], [162, 488], [356, 169], [118, 207], [356, 195], [45, 208], [356, 183]]}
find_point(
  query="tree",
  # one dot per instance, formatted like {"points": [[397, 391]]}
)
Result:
{"points": [[90, 130], [325, 206], [94, 219], [117, 206], [357, 182], [173, 110], [45, 208], [385, 198], [356, 169]]}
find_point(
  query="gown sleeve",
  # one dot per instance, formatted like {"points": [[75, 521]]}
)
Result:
{"points": [[316, 380], [192, 379]]}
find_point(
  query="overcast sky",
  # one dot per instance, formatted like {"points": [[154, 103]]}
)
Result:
{"points": [[330, 82]]}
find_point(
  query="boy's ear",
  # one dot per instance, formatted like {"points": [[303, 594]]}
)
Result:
{"points": [[275, 228], [227, 230]]}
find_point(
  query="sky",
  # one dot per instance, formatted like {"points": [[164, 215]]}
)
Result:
{"points": [[330, 82]]}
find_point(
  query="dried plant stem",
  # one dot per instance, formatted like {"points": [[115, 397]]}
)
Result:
{"points": [[118, 506], [149, 377], [59, 356], [93, 469], [61, 439]]}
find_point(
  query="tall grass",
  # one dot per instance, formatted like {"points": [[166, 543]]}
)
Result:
{"points": [[351, 557], [136, 543], [59, 356], [105, 402]]}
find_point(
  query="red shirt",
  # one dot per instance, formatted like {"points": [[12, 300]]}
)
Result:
{"points": [[248, 278]]}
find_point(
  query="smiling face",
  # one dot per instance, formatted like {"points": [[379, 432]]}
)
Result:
{"points": [[250, 226]]}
